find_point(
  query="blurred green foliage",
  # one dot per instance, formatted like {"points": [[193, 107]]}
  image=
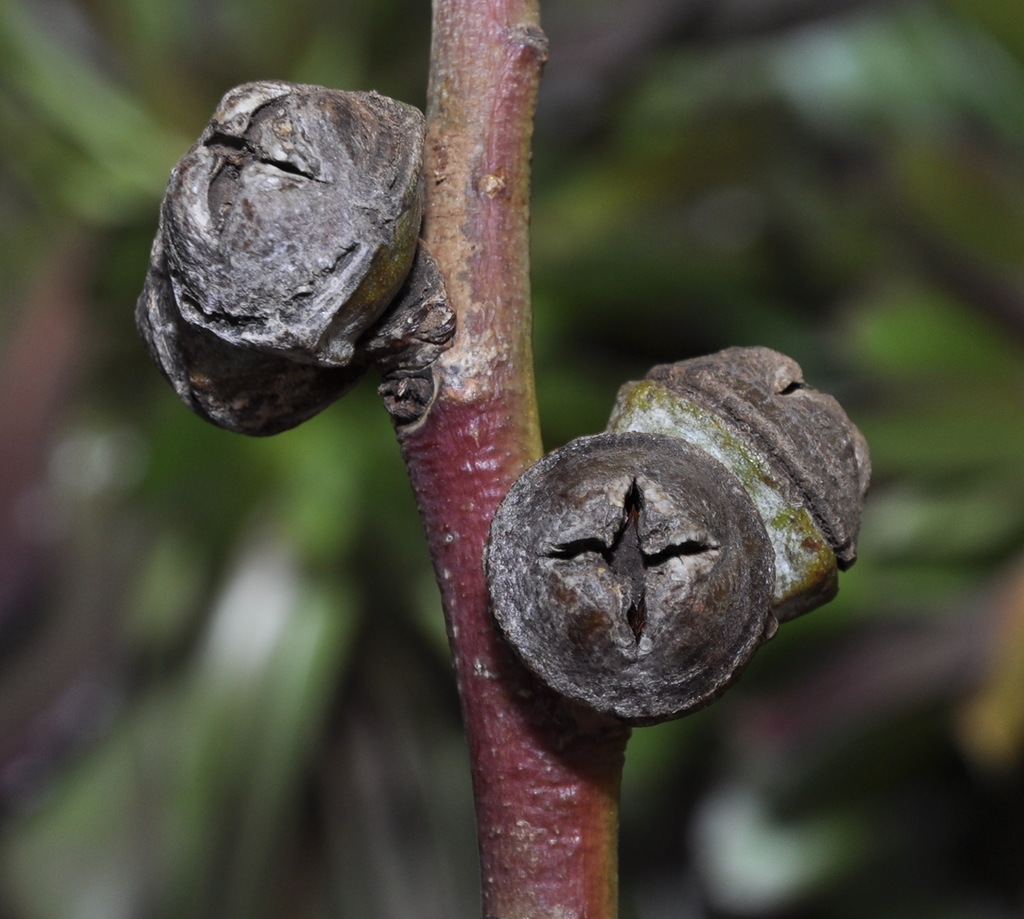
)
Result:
{"points": [[224, 687]]}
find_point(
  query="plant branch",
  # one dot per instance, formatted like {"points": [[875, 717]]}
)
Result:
{"points": [[545, 776]]}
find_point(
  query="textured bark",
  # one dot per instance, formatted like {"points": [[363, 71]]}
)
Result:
{"points": [[545, 776]]}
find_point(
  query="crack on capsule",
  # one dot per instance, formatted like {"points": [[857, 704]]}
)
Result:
{"points": [[626, 559]]}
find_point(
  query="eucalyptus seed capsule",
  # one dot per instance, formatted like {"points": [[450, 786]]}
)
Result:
{"points": [[801, 459], [638, 570], [285, 234], [632, 573]]}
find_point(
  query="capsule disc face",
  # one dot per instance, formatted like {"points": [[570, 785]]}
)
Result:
{"points": [[631, 572]]}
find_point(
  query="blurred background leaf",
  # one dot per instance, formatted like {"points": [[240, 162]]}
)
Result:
{"points": [[224, 687]]}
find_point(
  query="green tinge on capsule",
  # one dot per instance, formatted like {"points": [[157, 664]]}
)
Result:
{"points": [[805, 566]]}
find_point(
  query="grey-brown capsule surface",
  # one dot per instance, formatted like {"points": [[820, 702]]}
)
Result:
{"points": [[812, 446], [800, 458], [631, 572], [285, 233]]}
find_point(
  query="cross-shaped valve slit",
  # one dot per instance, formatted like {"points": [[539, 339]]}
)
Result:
{"points": [[626, 558]]}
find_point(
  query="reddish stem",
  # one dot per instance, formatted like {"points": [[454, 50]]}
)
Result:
{"points": [[546, 776]]}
